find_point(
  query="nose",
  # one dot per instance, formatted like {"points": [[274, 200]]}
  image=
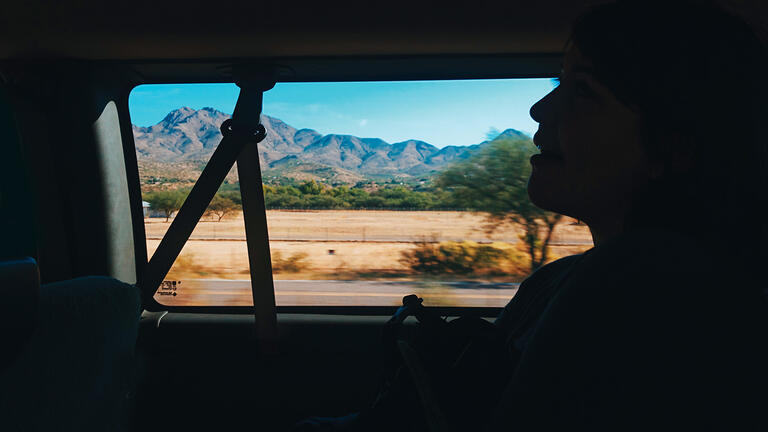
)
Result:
{"points": [[543, 110]]}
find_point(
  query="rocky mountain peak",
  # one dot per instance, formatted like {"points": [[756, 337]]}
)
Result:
{"points": [[186, 134], [177, 115]]}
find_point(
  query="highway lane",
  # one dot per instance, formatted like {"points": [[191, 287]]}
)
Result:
{"points": [[372, 239], [223, 292]]}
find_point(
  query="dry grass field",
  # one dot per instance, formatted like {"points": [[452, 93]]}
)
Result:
{"points": [[341, 244], [330, 247], [369, 225]]}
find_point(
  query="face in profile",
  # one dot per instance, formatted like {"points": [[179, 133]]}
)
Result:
{"points": [[591, 156]]}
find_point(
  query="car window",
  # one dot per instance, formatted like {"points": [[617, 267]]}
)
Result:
{"points": [[373, 190]]}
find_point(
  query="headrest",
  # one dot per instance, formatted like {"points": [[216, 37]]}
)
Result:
{"points": [[19, 291]]}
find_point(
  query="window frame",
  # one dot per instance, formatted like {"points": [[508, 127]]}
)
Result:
{"points": [[357, 69]]}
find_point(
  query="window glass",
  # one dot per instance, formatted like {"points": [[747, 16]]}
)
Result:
{"points": [[374, 190], [175, 135]]}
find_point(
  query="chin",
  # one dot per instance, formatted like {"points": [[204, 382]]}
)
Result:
{"points": [[540, 193], [546, 196]]}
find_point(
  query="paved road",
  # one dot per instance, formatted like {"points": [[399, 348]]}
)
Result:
{"points": [[373, 239], [220, 292]]}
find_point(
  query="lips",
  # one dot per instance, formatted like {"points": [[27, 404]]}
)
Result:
{"points": [[547, 149], [548, 153]]}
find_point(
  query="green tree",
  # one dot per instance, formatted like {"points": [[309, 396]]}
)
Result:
{"points": [[233, 195], [283, 200], [221, 206], [166, 201], [495, 181], [311, 187]]}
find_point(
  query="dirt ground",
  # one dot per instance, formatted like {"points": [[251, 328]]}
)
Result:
{"points": [[341, 244], [369, 225]]}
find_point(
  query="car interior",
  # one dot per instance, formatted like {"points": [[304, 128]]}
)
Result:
{"points": [[87, 344]]}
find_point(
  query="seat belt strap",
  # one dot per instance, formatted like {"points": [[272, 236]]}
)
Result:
{"points": [[255, 216]]}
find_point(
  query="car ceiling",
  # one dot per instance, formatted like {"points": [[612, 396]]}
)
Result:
{"points": [[304, 40], [196, 29]]}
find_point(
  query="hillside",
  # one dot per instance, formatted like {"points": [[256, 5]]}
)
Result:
{"points": [[175, 147]]}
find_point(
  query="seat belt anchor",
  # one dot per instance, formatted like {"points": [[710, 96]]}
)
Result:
{"points": [[243, 131]]}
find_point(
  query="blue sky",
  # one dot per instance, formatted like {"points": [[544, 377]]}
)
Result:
{"points": [[439, 112]]}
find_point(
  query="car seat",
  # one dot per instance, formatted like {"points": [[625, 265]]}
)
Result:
{"points": [[74, 349]]}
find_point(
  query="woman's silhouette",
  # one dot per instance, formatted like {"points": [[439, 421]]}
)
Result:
{"points": [[656, 139]]}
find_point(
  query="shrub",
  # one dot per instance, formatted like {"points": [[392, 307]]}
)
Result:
{"points": [[187, 265], [293, 264], [452, 257], [463, 258]]}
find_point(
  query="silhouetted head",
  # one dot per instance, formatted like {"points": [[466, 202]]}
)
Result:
{"points": [[659, 121]]}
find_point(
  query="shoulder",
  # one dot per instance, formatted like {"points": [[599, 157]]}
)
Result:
{"points": [[556, 267], [656, 288], [652, 314], [541, 282], [648, 268]]}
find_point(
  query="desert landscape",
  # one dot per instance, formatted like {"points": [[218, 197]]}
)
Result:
{"points": [[362, 221], [337, 247]]}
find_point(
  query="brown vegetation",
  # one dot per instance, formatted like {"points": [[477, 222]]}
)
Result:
{"points": [[336, 244]]}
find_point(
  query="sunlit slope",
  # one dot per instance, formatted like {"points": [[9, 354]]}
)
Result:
{"points": [[174, 148]]}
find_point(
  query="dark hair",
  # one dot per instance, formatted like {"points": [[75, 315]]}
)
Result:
{"points": [[698, 78]]}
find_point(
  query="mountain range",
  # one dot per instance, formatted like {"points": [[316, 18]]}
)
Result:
{"points": [[186, 136]]}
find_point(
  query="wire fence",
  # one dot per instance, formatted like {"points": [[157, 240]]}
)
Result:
{"points": [[355, 231]]}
